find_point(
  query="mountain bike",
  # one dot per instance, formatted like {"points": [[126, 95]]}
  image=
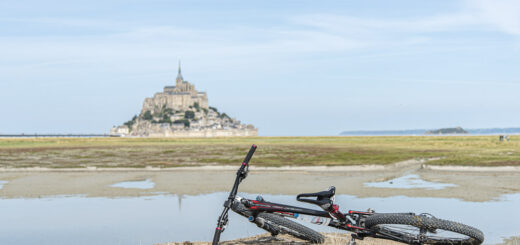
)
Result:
{"points": [[276, 218]]}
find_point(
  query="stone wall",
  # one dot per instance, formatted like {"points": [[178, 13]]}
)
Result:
{"points": [[148, 129], [180, 102], [206, 133]]}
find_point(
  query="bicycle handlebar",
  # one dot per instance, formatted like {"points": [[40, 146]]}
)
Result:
{"points": [[249, 155]]}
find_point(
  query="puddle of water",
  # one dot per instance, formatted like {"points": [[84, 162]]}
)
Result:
{"points": [[408, 182], [143, 184], [161, 219], [2, 183]]}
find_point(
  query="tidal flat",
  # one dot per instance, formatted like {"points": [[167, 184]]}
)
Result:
{"points": [[465, 185]]}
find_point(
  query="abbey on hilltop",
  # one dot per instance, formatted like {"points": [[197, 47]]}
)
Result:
{"points": [[181, 97], [182, 111]]}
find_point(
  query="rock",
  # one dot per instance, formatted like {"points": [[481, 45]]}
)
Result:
{"points": [[182, 111]]}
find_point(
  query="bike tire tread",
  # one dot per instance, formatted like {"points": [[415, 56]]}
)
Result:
{"points": [[426, 222], [293, 228]]}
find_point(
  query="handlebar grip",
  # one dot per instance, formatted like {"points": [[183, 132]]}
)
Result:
{"points": [[249, 155], [216, 237]]}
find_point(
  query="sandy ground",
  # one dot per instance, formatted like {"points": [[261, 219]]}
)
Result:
{"points": [[331, 239], [472, 185]]}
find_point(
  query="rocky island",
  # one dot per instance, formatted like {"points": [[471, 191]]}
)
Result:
{"points": [[457, 130], [182, 111]]}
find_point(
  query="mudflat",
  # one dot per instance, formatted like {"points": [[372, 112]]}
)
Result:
{"points": [[467, 184]]}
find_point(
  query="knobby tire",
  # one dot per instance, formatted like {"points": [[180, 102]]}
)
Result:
{"points": [[382, 224], [292, 228]]}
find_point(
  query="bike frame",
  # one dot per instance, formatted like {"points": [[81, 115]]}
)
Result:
{"points": [[347, 222], [350, 223]]}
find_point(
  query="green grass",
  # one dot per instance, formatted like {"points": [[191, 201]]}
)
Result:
{"points": [[272, 151]]}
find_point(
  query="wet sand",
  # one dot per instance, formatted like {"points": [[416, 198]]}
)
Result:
{"points": [[471, 185]]}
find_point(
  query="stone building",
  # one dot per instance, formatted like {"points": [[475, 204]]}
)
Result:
{"points": [[182, 111], [178, 97]]}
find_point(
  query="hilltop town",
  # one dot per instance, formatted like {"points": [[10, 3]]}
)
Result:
{"points": [[182, 111]]}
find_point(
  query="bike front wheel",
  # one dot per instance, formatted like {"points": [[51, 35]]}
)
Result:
{"points": [[292, 228], [422, 229]]}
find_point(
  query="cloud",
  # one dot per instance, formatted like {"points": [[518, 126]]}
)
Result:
{"points": [[356, 25], [160, 41], [475, 15], [503, 15], [323, 33]]}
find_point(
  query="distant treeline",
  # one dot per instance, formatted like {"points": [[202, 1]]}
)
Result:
{"points": [[478, 131], [457, 130]]}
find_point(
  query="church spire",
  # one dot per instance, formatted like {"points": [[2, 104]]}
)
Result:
{"points": [[179, 75]]}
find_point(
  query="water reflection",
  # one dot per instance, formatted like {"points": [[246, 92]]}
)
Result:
{"points": [[2, 183], [179, 197], [408, 182], [160, 219], [143, 184]]}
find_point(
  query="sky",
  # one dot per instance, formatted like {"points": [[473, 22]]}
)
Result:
{"points": [[288, 67]]}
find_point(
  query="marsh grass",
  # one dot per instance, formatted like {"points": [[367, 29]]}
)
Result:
{"points": [[272, 151]]}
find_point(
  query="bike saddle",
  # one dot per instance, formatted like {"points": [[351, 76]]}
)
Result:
{"points": [[323, 198]]}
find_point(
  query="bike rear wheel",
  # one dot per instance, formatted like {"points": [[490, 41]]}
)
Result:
{"points": [[292, 228], [422, 229]]}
